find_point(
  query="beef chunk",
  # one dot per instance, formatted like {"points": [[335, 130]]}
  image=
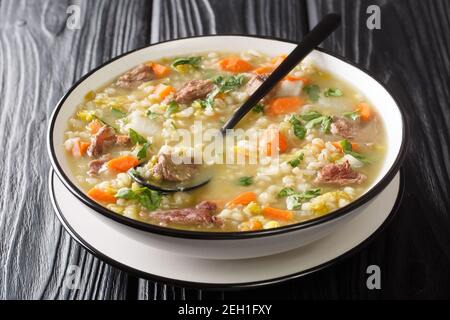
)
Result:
{"points": [[339, 174], [202, 214], [104, 138], [135, 77], [254, 83], [343, 128], [169, 171], [192, 90], [96, 165], [122, 140]]}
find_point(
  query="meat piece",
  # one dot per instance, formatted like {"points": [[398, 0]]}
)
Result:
{"points": [[254, 83], [340, 174], [122, 140], [202, 213], [343, 128], [104, 138], [169, 171], [96, 165], [193, 90], [135, 77]]}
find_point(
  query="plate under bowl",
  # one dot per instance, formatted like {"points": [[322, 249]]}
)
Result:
{"points": [[250, 244]]}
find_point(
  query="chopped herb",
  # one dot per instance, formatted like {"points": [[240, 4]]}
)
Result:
{"points": [[136, 138], [310, 115], [230, 83], [294, 201], [142, 153], [323, 121], [152, 115], [333, 92], [172, 108], [285, 192], [149, 199], [299, 129], [245, 181], [296, 161], [313, 91], [209, 101], [354, 115], [192, 61], [118, 113], [348, 149], [126, 194], [326, 124], [259, 108], [105, 123]]}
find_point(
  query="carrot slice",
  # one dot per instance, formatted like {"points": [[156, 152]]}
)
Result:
{"points": [[338, 146], [284, 105], [293, 78], [364, 111], [163, 90], [235, 64], [275, 140], [101, 196], [263, 70], [79, 148], [277, 214], [160, 71], [94, 126], [123, 163], [278, 60], [243, 199], [255, 225]]}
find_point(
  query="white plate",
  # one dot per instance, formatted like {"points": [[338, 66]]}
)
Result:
{"points": [[115, 243]]}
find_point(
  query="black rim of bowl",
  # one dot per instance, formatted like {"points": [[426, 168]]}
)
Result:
{"points": [[225, 286], [165, 231]]}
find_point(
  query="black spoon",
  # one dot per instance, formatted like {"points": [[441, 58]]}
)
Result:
{"points": [[319, 33]]}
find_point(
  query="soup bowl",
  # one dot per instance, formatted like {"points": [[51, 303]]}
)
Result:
{"points": [[233, 245]]}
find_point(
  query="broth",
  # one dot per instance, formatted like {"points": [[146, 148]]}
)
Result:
{"points": [[323, 143]]}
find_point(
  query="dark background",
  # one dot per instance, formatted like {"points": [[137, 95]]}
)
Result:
{"points": [[40, 59]]}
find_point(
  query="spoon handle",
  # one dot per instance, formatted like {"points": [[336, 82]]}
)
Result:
{"points": [[320, 32]]}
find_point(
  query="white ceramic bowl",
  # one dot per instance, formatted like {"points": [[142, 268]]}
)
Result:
{"points": [[234, 245]]}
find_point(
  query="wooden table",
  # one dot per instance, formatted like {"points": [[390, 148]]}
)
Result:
{"points": [[40, 58]]}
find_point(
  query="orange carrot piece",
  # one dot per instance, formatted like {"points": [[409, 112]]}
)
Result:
{"points": [[284, 105], [364, 111], [101, 196], [338, 146], [263, 70], [235, 64], [293, 78], [275, 140], [255, 225], [163, 90], [123, 163], [79, 148], [277, 214], [94, 126], [160, 71], [243, 199], [278, 60]]}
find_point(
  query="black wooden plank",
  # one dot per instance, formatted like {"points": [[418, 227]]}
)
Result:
{"points": [[39, 60], [410, 55]]}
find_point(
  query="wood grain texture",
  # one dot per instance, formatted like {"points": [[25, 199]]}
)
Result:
{"points": [[39, 60], [410, 55]]}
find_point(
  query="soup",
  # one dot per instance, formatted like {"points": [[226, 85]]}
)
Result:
{"points": [[311, 146]]}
